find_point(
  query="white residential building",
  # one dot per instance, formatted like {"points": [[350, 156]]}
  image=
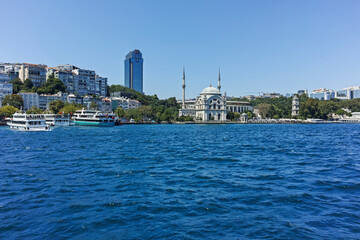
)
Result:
{"points": [[46, 99], [124, 103], [35, 72], [30, 99]]}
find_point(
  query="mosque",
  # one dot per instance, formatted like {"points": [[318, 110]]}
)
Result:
{"points": [[211, 105]]}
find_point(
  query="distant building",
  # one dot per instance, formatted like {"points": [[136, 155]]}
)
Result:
{"points": [[106, 105], [76, 99], [322, 94], [46, 99], [250, 97], [271, 95], [79, 81], [35, 72], [5, 89], [301, 92], [66, 76], [87, 100], [348, 93], [210, 105], [134, 71], [295, 106], [124, 103], [100, 86], [10, 68], [30, 99], [238, 107]]}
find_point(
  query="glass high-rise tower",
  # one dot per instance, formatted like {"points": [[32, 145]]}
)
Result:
{"points": [[134, 70]]}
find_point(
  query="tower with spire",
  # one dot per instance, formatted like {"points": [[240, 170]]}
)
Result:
{"points": [[183, 86], [219, 87]]}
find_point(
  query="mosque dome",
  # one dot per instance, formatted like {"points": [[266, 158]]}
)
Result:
{"points": [[210, 90]]}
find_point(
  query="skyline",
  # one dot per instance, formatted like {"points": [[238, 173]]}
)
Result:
{"points": [[259, 47]]}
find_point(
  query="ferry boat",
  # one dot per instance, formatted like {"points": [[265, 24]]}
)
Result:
{"points": [[57, 119], [28, 122], [93, 118]]}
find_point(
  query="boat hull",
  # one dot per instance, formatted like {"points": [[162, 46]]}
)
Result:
{"points": [[94, 124], [30, 129]]}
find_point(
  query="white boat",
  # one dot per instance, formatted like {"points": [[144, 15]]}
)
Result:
{"points": [[93, 118], [57, 119], [28, 122]]}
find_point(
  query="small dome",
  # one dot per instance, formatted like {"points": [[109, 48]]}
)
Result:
{"points": [[210, 90]]}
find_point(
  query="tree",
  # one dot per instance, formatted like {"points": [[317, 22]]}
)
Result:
{"points": [[28, 84], [93, 105], [13, 100], [18, 85], [52, 86], [7, 111], [120, 112], [264, 109], [71, 108], [34, 110], [56, 106]]}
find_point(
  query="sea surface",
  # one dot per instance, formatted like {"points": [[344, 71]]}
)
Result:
{"points": [[290, 181]]}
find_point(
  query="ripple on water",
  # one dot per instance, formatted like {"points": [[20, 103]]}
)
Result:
{"points": [[181, 182]]}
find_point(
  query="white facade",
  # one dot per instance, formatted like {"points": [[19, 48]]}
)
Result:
{"points": [[238, 107], [322, 94], [211, 105], [35, 72], [124, 103], [348, 93], [46, 99], [30, 99]]}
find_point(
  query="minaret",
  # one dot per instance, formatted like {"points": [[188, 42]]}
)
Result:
{"points": [[219, 87], [183, 86]]}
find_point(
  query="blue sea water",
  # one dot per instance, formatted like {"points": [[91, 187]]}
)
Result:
{"points": [[181, 182]]}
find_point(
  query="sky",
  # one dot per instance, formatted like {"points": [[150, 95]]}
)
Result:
{"points": [[259, 46]]}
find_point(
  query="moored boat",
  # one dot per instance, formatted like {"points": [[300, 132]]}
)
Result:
{"points": [[57, 119], [93, 118], [28, 122]]}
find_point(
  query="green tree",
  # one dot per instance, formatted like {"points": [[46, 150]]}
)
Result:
{"points": [[13, 100], [120, 113], [7, 111], [18, 85], [52, 86], [264, 109], [34, 110], [28, 84], [309, 109], [56, 106], [93, 105], [71, 108]]}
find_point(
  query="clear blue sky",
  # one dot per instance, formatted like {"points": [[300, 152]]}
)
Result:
{"points": [[260, 46]]}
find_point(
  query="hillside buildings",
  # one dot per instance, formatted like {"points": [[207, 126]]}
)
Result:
{"points": [[30, 99], [134, 70], [6, 87], [77, 80], [35, 72]]}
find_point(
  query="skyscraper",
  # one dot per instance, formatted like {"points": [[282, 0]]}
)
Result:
{"points": [[134, 70]]}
